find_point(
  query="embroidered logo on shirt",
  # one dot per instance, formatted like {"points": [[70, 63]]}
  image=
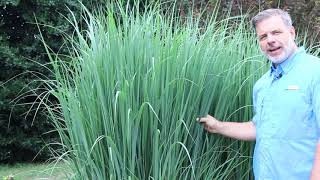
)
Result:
{"points": [[293, 87]]}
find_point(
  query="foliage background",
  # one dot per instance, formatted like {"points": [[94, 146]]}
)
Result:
{"points": [[22, 55]]}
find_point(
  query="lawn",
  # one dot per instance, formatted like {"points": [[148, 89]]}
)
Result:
{"points": [[34, 171]]}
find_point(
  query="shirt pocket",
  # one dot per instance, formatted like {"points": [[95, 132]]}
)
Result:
{"points": [[293, 98], [294, 109]]}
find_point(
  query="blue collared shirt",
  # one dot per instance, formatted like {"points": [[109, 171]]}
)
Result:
{"points": [[287, 118]]}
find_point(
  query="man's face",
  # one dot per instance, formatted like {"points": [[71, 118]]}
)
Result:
{"points": [[276, 39]]}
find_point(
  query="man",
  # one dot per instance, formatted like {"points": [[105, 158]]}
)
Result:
{"points": [[286, 100]]}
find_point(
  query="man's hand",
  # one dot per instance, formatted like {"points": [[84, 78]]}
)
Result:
{"points": [[210, 123], [315, 173], [238, 130]]}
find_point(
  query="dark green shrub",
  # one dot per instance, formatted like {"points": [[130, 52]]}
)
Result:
{"points": [[22, 56]]}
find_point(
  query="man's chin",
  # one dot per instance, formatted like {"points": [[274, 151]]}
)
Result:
{"points": [[276, 59]]}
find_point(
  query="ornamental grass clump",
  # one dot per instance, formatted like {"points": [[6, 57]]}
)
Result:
{"points": [[129, 99]]}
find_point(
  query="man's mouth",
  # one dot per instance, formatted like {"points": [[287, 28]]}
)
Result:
{"points": [[274, 50]]}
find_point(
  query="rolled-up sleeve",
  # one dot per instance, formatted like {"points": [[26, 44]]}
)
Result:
{"points": [[254, 102]]}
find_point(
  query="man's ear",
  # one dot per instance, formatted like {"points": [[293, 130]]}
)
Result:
{"points": [[293, 32]]}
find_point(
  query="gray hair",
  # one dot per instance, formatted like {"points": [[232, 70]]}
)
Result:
{"points": [[270, 13]]}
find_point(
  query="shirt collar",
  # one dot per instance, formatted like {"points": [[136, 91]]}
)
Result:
{"points": [[286, 65]]}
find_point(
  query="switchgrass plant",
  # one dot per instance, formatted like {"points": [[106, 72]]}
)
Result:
{"points": [[129, 99]]}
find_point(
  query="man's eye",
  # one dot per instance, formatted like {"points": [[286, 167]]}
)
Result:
{"points": [[276, 32], [262, 38]]}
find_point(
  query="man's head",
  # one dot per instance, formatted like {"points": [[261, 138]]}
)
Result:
{"points": [[275, 34]]}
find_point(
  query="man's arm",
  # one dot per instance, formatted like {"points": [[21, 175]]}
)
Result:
{"points": [[315, 173], [242, 131]]}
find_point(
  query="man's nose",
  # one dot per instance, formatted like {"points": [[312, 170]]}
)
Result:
{"points": [[270, 39]]}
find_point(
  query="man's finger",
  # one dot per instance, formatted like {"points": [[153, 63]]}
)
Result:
{"points": [[201, 120]]}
